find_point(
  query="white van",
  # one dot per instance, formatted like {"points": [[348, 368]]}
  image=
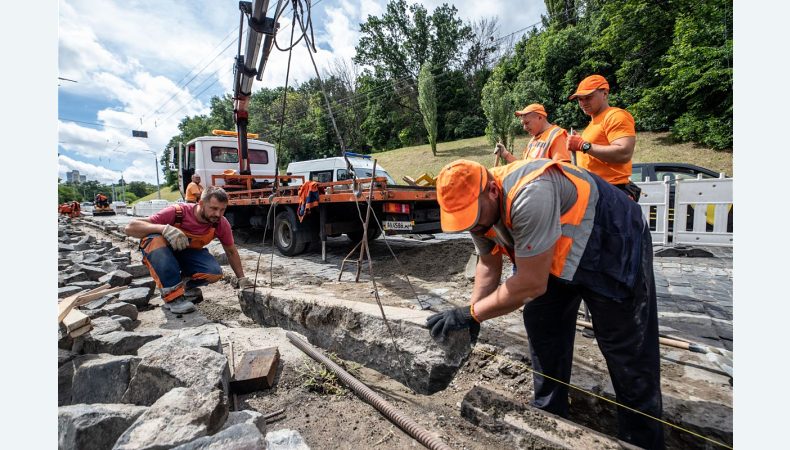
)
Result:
{"points": [[335, 169]]}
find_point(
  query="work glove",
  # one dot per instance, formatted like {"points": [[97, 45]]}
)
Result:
{"points": [[574, 143], [177, 239], [500, 149], [458, 318], [245, 282]]}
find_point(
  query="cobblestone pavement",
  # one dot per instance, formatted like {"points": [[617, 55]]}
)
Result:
{"points": [[695, 296]]}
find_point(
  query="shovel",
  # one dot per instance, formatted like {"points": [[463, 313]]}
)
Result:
{"points": [[722, 358]]}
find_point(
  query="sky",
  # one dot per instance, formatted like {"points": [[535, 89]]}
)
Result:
{"points": [[147, 64]]}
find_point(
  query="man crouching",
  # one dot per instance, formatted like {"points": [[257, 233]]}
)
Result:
{"points": [[172, 242]]}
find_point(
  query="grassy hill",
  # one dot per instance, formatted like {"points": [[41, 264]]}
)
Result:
{"points": [[650, 147], [167, 194]]}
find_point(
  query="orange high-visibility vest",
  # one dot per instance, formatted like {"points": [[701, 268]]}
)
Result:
{"points": [[537, 149], [576, 223]]}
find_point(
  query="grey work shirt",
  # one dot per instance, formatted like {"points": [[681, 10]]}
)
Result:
{"points": [[535, 216]]}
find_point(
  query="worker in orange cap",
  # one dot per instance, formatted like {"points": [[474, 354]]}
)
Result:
{"points": [[548, 140], [606, 146], [569, 234]]}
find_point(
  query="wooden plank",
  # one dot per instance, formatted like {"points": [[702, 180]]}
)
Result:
{"points": [[75, 319], [256, 370], [81, 330], [66, 305]]}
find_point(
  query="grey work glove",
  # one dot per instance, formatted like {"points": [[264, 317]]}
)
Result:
{"points": [[500, 149], [245, 282], [453, 319], [177, 239]]}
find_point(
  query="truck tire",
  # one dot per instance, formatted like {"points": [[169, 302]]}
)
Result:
{"points": [[373, 232], [285, 236]]}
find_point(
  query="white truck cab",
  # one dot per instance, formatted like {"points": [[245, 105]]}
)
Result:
{"points": [[335, 169], [213, 155]]}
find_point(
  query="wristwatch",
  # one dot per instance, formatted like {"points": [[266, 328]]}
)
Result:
{"points": [[586, 147]]}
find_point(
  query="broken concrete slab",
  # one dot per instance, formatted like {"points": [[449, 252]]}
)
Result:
{"points": [[65, 356], [246, 416], [122, 309], [138, 297], [119, 342], [180, 416], [255, 370], [104, 325], [355, 331], [116, 278], [68, 291], [103, 380], [99, 303], [172, 364], [126, 323], [243, 436], [138, 270], [109, 266], [75, 277], [94, 427], [65, 248], [527, 426], [66, 377], [93, 272], [147, 282], [206, 336], [285, 439], [86, 284]]}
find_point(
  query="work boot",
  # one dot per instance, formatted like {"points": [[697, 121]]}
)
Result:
{"points": [[194, 295], [180, 306]]}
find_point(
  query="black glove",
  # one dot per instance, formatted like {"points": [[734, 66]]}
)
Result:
{"points": [[453, 319]]}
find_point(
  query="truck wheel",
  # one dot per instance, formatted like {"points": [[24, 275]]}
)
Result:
{"points": [[285, 237], [373, 232]]}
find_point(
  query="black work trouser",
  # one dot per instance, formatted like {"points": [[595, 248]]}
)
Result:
{"points": [[627, 334]]}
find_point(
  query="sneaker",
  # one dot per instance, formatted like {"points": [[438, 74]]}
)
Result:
{"points": [[180, 306]]}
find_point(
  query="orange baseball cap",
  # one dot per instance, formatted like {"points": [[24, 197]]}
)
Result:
{"points": [[590, 85], [535, 107], [458, 189]]}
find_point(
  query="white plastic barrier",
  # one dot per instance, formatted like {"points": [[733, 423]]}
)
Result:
{"points": [[711, 200], [654, 202], [149, 207]]}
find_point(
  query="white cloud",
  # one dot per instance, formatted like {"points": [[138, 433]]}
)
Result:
{"points": [[91, 171], [135, 55]]}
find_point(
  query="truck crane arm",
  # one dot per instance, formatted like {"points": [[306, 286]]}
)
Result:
{"points": [[260, 34]]}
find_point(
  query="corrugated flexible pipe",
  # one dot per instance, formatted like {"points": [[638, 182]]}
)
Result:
{"points": [[384, 407]]}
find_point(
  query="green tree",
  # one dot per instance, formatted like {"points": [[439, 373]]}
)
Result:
{"points": [[427, 102], [140, 188], [498, 108], [67, 193]]}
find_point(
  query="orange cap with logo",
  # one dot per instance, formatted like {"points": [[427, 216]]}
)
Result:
{"points": [[458, 189], [590, 85], [534, 107]]}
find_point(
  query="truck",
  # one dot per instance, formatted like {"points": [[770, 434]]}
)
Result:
{"points": [[261, 198], [265, 200]]}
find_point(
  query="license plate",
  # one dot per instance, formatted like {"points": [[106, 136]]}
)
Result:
{"points": [[398, 225]]}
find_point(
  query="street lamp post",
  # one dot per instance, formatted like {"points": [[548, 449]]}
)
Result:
{"points": [[156, 169]]}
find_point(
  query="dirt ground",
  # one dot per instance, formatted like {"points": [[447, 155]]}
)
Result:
{"points": [[436, 274]]}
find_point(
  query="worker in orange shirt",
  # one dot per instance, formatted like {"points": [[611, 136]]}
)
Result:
{"points": [[194, 189], [607, 144], [548, 140]]}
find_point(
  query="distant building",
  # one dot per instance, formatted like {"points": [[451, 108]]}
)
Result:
{"points": [[83, 178], [73, 176]]}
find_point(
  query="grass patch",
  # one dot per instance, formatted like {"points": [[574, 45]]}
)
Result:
{"points": [[168, 193], [317, 378], [650, 147]]}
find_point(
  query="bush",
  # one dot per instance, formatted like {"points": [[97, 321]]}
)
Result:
{"points": [[470, 126], [710, 131]]}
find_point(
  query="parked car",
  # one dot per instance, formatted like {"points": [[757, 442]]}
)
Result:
{"points": [[119, 207], [86, 207], [656, 171]]}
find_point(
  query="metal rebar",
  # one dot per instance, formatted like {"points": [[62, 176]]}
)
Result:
{"points": [[384, 407]]}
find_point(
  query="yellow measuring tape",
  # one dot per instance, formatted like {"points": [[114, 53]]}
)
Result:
{"points": [[602, 398]]}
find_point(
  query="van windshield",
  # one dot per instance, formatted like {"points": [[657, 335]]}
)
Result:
{"points": [[342, 174]]}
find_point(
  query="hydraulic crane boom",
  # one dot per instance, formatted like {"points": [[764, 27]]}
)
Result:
{"points": [[259, 28]]}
